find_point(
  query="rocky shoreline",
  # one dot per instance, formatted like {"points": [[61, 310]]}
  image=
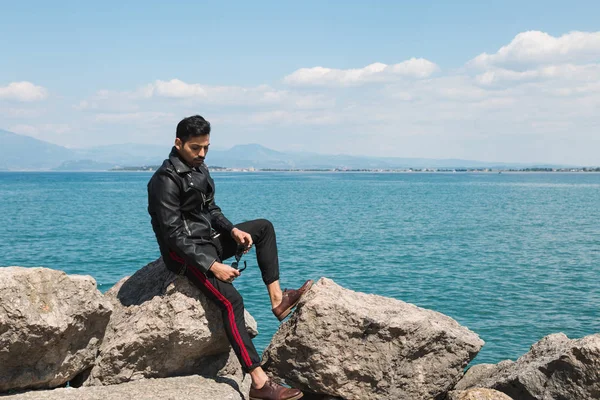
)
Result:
{"points": [[155, 336]]}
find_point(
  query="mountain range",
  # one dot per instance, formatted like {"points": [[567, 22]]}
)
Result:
{"points": [[19, 152]]}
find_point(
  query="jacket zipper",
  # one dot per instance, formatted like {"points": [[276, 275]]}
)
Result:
{"points": [[202, 215], [187, 229], [209, 224]]}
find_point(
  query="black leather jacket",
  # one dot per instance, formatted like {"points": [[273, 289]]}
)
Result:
{"points": [[184, 214]]}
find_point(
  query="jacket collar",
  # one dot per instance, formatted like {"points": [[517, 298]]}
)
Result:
{"points": [[180, 166]]}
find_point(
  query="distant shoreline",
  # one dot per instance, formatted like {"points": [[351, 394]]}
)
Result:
{"points": [[366, 171], [379, 170]]}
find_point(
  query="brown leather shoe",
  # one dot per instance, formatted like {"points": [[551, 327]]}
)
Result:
{"points": [[290, 299], [273, 391]]}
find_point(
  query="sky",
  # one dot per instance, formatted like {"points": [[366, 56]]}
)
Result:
{"points": [[504, 81]]}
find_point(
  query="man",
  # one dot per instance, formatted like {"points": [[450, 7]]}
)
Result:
{"points": [[194, 238]]}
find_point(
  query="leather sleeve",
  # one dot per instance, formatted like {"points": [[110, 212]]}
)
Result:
{"points": [[163, 199], [218, 220]]}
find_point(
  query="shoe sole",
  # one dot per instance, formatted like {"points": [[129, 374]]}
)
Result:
{"points": [[289, 309], [289, 398]]}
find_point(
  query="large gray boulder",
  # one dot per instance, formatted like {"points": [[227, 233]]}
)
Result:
{"points": [[51, 326], [478, 394], [556, 368], [181, 388], [162, 326], [361, 346]]}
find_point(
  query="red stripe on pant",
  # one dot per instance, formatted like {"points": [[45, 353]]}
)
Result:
{"points": [[230, 314], [228, 306], [175, 257]]}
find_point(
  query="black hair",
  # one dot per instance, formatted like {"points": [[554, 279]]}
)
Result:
{"points": [[191, 127]]}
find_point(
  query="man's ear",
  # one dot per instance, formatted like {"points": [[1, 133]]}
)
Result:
{"points": [[178, 144]]}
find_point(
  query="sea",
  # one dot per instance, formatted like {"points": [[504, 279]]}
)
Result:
{"points": [[512, 256]]}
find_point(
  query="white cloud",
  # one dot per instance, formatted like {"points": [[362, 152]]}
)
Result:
{"points": [[223, 95], [13, 112], [23, 91], [84, 105], [537, 48], [590, 88], [377, 72], [539, 81], [498, 108], [176, 88], [496, 103], [24, 129], [108, 101], [590, 72], [177, 93], [40, 130], [291, 118], [144, 116]]}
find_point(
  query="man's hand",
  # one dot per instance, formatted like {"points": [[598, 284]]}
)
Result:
{"points": [[224, 272], [242, 238]]}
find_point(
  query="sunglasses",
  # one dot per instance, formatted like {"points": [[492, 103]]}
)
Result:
{"points": [[238, 257]]}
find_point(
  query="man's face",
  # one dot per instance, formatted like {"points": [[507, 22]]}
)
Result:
{"points": [[194, 150]]}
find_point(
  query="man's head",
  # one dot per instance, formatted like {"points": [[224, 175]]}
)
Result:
{"points": [[192, 139]]}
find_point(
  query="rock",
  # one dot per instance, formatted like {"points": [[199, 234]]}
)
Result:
{"points": [[162, 326], [180, 388], [312, 396], [51, 326], [479, 372], [478, 394], [360, 346], [556, 367]]}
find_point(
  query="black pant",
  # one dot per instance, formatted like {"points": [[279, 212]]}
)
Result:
{"points": [[224, 294]]}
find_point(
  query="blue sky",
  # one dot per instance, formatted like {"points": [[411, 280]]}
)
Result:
{"points": [[419, 79]]}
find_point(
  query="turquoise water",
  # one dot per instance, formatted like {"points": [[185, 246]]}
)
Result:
{"points": [[513, 256]]}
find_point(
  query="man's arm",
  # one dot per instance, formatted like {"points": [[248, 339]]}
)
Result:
{"points": [[218, 219], [224, 225], [164, 201]]}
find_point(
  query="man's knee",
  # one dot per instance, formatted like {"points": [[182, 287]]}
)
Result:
{"points": [[265, 225]]}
